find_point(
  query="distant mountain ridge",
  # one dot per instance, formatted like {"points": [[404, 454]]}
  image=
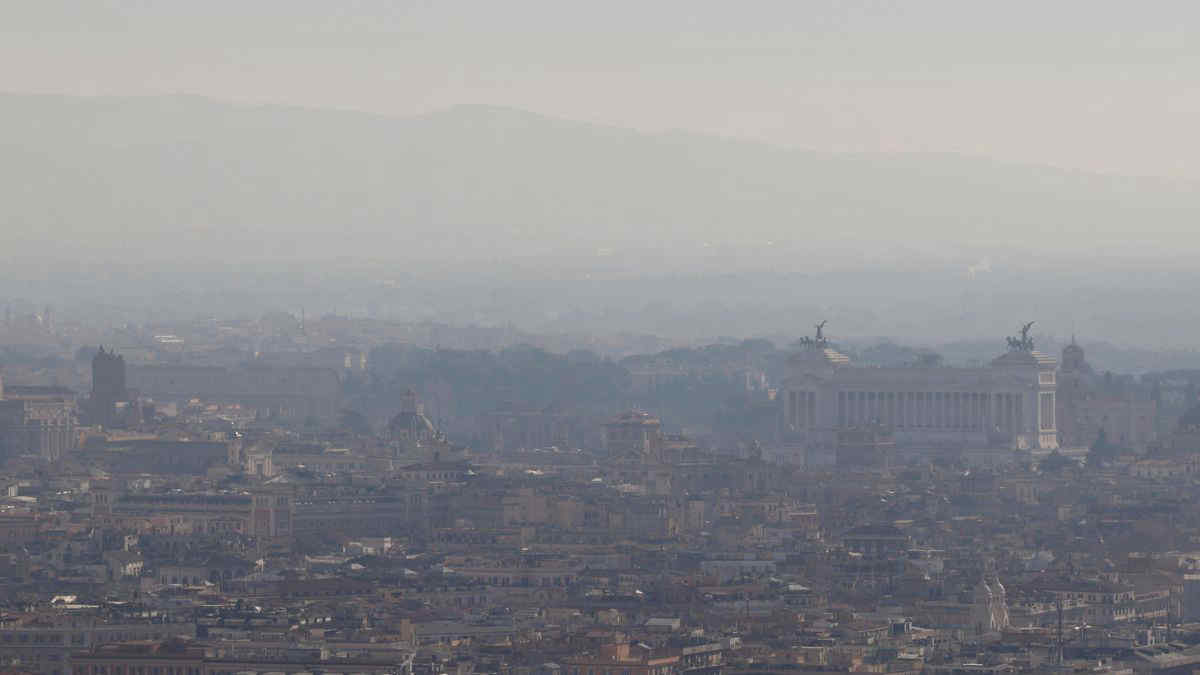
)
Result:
{"points": [[186, 174]]}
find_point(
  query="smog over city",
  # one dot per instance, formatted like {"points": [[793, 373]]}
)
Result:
{"points": [[599, 338]]}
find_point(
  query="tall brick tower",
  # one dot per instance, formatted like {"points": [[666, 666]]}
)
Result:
{"points": [[108, 386]]}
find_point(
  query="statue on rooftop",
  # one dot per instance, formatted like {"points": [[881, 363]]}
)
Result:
{"points": [[1023, 343], [819, 341], [1025, 333]]}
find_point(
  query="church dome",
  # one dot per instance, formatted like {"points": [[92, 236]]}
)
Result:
{"points": [[1073, 358], [411, 423]]}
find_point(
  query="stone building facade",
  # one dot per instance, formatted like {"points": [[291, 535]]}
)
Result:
{"points": [[37, 421], [1086, 408], [1008, 404]]}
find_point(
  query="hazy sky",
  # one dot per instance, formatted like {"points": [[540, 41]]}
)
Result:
{"points": [[1110, 86]]}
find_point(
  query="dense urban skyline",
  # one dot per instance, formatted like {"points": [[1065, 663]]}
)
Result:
{"points": [[542, 338]]}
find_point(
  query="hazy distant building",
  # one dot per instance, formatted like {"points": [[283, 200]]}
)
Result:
{"points": [[108, 387], [1185, 440], [268, 515], [348, 360], [285, 392], [36, 420], [868, 447], [1008, 404], [512, 428], [154, 455], [414, 437], [634, 435], [1127, 418]]}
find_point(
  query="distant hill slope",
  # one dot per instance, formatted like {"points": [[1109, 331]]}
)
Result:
{"points": [[186, 174]]}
